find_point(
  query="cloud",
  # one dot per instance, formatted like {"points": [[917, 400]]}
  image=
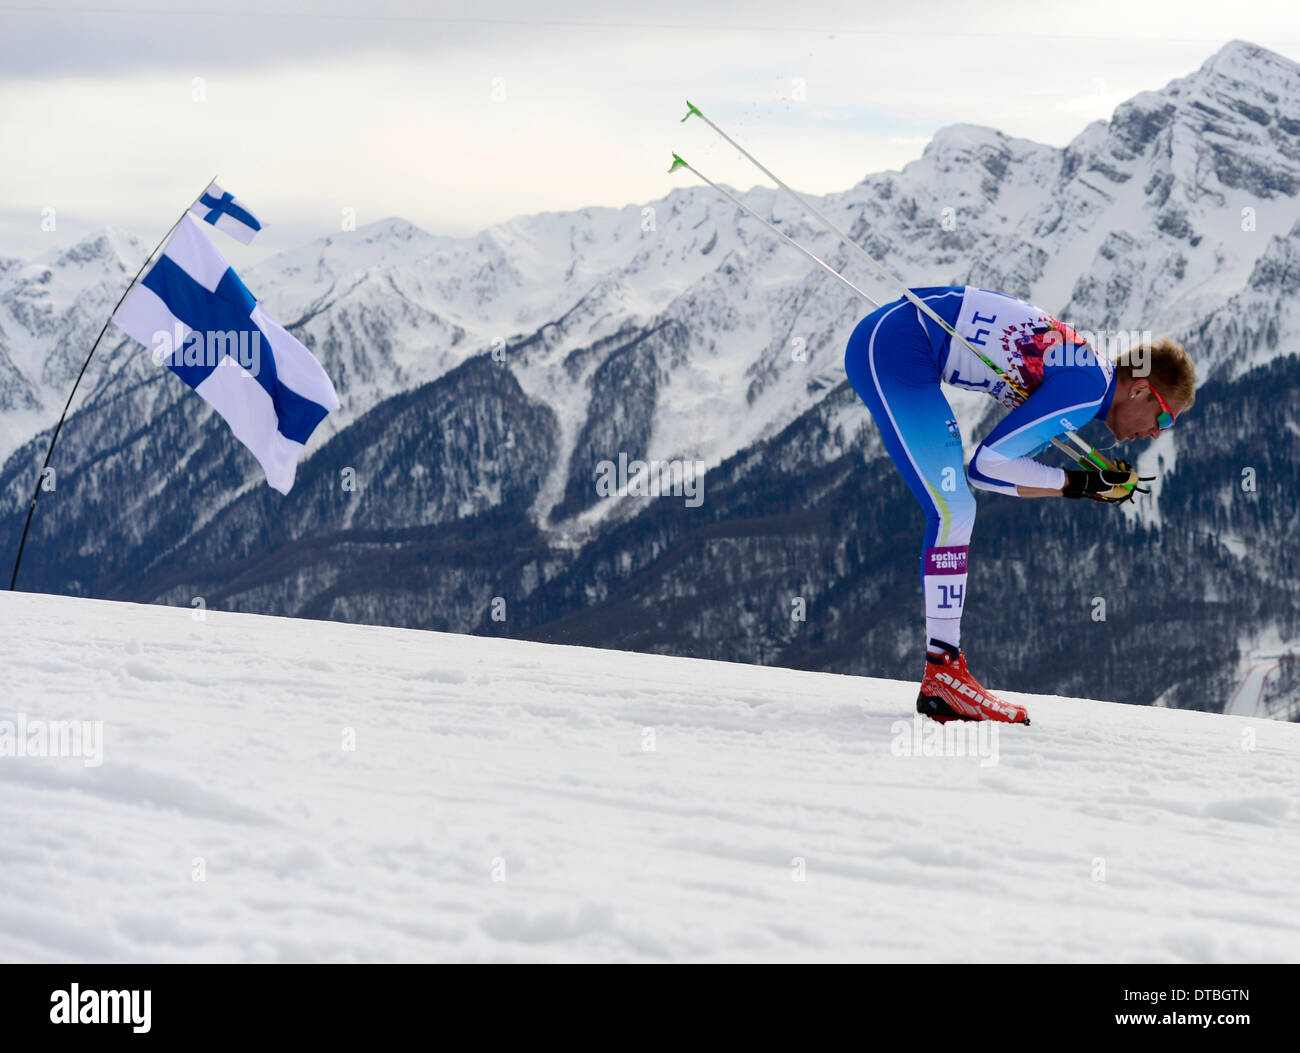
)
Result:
{"points": [[458, 122]]}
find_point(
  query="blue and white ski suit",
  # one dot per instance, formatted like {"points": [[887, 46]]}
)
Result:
{"points": [[897, 358]]}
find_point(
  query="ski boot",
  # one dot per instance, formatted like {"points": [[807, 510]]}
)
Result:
{"points": [[949, 692]]}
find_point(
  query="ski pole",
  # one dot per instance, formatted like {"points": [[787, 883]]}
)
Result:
{"points": [[679, 162], [694, 111]]}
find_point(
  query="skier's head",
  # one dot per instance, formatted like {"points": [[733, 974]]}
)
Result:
{"points": [[1154, 385]]}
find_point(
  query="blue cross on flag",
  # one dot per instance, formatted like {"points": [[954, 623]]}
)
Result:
{"points": [[227, 213], [208, 329]]}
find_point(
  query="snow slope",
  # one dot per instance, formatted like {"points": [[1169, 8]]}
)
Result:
{"points": [[501, 804]]}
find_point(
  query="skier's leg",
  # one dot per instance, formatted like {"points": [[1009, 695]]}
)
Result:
{"points": [[894, 364], [894, 369]]}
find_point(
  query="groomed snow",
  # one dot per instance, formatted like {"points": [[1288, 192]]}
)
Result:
{"points": [[501, 805]]}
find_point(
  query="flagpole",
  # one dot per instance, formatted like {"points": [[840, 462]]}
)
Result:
{"points": [[31, 508]]}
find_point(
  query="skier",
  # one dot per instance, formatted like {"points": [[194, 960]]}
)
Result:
{"points": [[896, 359]]}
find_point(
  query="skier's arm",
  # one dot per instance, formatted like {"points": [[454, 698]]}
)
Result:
{"points": [[1067, 399]]}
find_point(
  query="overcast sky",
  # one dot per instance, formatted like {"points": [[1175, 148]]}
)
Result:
{"points": [[117, 112]]}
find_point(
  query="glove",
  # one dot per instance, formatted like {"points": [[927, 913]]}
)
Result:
{"points": [[1114, 485]]}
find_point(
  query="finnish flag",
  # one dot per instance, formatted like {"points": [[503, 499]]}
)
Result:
{"points": [[227, 213], [202, 322]]}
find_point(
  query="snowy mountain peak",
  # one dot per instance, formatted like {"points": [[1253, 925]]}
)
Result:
{"points": [[1243, 80], [964, 137], [1249, 63], [111, 246], [393, 227], [959, 144], [1243, 94], [1277, 271]]}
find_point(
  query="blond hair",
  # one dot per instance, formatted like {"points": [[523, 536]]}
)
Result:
{"points": [[1167, 365]]}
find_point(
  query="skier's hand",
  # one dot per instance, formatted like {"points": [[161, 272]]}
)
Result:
{"points": [[1114, 485]]}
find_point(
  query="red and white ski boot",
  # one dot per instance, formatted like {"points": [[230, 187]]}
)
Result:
{"points": [[949, 692]]}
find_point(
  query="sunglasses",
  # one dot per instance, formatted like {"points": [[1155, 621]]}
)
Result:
{"points": [[1165, 420]]}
